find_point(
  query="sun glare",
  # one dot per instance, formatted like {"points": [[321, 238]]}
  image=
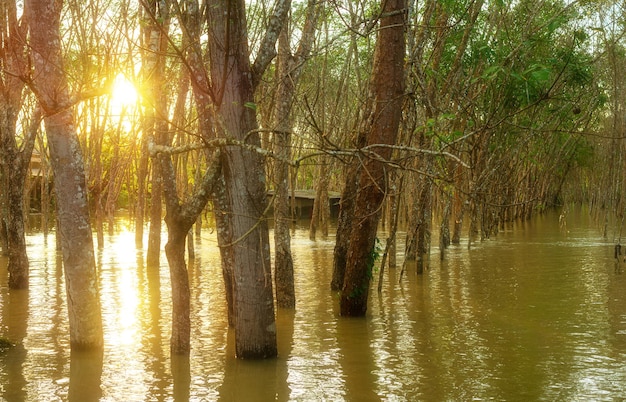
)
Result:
{"points": [[124, 93]]}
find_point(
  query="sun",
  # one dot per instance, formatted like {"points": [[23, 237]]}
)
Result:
{"points": [[124, 95]]}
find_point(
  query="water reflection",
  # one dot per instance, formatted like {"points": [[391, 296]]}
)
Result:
{"points": [[537, 313], [85, 376], [14, 318]]}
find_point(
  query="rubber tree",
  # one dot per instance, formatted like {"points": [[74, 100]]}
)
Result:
{"points": [[50, 85], [223, 81], [380, 125], [288, 73], [14, 157], [154, 124], [243, 223]]}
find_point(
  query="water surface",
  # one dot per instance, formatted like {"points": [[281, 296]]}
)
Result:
{"points": [[536, 313]]}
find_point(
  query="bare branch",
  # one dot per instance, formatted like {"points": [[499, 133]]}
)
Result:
{"points": [[367, 151]]}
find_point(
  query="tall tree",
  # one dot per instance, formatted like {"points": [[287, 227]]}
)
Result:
{"points": [[381, 123], [224, 100], [14, 157], [155, 40], [242, 227], [50, 85], [288, 72]]}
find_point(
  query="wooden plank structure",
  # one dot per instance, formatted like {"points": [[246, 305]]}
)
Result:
{"points": [[304, 199]]}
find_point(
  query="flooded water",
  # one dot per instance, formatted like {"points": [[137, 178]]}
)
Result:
{"points": [[537, 313]]}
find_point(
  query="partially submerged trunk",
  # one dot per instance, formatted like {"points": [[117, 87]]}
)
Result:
{"points": [[154, 41], [242, 230], [344, 225], [14, 160], [283, 260], [140, 206], [74, 231], [382, 123], [179, 219], [18, 264], [320, 216]]}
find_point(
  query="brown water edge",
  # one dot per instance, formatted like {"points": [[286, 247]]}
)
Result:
{"points": [[536, 313]]}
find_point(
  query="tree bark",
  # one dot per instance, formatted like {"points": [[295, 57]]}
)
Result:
{"points": [[387, 90], [50, 85]]}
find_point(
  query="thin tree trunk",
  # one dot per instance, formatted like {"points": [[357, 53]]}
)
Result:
{"points": [[283, 262], [142, 174], [153, 68], [18, 264], [288, 71], [321, 208], [390, 245]]}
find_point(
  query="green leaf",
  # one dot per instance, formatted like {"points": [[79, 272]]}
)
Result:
{"points": [[250, 105], [492, 72], [541, 75]]}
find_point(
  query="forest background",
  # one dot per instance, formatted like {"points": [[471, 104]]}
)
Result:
{"points": [[454, 115]]}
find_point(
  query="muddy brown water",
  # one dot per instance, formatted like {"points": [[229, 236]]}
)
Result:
{"points": [[536, 313]]}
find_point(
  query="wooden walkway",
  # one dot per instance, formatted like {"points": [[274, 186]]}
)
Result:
{"points": [[304, 202], [309, 194]]}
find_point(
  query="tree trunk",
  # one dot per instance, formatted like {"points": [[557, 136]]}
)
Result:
{"points": [[13, 161], [140, 207], [283, 261], [383, 120], [344, 223], [179, 219], [288, 72], [247, 241], [74, 230], [180, 341], [18, 264], [4, 182], [15, 173], [321, 207], [153, 69]]}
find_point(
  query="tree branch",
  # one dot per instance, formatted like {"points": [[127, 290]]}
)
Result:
{"points": [[267, 50], [368, 151]]}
